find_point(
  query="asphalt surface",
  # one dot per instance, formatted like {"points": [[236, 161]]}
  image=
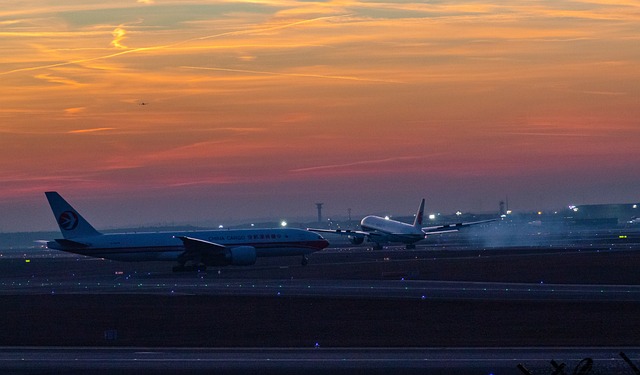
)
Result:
{"points": [[349, 310], [448, 361]]}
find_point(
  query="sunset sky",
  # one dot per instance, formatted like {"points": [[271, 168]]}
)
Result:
{"points": [[145, 112]]}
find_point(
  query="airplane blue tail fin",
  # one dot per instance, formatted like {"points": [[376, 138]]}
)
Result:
{"points": [[71, 223], [417, 222]]}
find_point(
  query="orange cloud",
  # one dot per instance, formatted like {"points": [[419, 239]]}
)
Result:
{"points": [[290, 90], [118, 35], [74, 111], [60, 80]]}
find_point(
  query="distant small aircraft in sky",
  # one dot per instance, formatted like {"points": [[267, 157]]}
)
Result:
{"points": [[199, 249], [381, 230]]}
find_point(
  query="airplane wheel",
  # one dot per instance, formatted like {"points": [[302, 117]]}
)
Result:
{"points": [[202, 268], [182, 268]]}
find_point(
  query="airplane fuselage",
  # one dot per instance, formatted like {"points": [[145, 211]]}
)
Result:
{"points": [[386, 230], [166, 246]]}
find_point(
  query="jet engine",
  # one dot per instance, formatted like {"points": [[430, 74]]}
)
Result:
{"points": [[242, 256], [235, 256], [356, 240]]}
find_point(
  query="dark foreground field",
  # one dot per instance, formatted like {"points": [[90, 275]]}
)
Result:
{"points": [[156, 320], [212, 321]]}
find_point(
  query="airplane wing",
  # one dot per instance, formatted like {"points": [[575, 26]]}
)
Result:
{"points": [[211, 253], [356, 237], [346, 232], [448, 228], [362, 234], [196, 245], [439, 232]]}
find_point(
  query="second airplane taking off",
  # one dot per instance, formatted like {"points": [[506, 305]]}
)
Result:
{"points": [[198, 249], [381, 230]]}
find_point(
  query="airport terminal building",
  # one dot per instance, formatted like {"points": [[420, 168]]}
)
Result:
{"points": [[615, 214]]}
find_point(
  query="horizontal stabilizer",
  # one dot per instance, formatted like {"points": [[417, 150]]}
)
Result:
{"points": [[72, 244]]}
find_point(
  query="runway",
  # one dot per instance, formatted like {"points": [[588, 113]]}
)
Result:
{"points": [[450, 309], [410, 289], [425, 273], [452, 361]]}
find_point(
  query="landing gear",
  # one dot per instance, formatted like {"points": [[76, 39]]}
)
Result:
{"points": [[195, 261], [305, 260], [377, 246], [181, 268], [411, 246]]}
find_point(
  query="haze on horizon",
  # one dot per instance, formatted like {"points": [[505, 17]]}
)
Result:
{"points": [[184, 111]]}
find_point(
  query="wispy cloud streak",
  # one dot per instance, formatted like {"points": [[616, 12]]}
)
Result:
{"points": [[306, 75], [356, 164], [94, 130], [118, 37], [61, 80]]}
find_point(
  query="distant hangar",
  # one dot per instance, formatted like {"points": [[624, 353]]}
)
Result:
{"points": [[618, 213]]}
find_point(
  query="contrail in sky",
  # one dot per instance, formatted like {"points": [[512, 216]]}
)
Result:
{"points": [[295, 74], [541, 134], [89, 130], [143, 49], [357, 163]]}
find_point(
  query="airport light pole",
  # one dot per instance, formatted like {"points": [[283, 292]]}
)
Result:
{"points": [[319, 206]]}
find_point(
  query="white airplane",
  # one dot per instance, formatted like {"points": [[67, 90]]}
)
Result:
{"points": [[380, 230], [238, 247]]}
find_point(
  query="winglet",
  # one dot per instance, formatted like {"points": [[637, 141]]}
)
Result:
{"points": [[71, 223], [417, 222]]}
